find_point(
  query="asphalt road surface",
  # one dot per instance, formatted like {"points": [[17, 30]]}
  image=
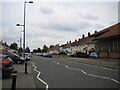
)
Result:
{"points": [[64, 72]]}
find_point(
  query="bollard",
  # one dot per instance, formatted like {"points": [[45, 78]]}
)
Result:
{"points": [[14, 74], [25, 66]]}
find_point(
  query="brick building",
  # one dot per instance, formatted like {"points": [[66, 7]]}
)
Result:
{"points": [[107, 42]]}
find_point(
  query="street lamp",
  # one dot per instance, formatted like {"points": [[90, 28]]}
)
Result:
{"points": [[21, 36], [24, 33], [19, 25], [20, 40]]}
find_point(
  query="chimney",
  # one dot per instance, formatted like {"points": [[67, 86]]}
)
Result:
{"points": [[79, 39], [95, 31], [5, 43], [75, 40], [88, 34], [83, 36], [67, 42]]}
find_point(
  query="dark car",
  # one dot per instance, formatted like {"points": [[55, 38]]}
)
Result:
{"points": [[16, 58], [47, 55], [79, 54], [6, 65], [55, 53], [82, 55]]}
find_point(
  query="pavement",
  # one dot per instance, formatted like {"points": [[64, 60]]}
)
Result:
{"points": [[23, 81]]}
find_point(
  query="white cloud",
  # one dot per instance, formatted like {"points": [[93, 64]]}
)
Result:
{"points": [[53, 23], [46, 10]]}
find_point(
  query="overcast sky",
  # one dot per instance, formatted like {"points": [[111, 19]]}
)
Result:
{"points": [[53, 22]]}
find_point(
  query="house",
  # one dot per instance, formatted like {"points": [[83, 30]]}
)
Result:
{"points": [[3, 45], [73, 47], [85, 44], [107, 41], [54, 49]]}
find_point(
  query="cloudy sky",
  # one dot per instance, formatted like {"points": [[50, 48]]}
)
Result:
{"points": [[53, 22]]}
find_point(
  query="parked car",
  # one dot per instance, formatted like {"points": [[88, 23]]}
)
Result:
{"points": [[16, 58], [6, 65], [55, 53], [62, 53], [94, 55], [27, 56], [47, 55], [79, 54], [38, 54], [82, 55], [73, 54]]}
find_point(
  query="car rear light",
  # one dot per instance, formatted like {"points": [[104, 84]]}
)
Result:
{"points": [[5, 62]]}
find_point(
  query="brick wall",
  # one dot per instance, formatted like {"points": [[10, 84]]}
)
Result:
{"points": [[104, 55], [114, 55], [110, 55]]}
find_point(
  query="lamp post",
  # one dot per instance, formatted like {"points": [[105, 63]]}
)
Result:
{"points": [[20, 40], [24, 33]]}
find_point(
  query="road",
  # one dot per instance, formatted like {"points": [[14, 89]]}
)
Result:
{"points": [[64, 72]]}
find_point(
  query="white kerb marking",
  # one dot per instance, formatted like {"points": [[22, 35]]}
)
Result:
{"points": [[35, 69]]}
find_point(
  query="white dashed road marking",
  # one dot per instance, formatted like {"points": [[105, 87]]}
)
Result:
{"points": [[96, 66], [87, 73]]}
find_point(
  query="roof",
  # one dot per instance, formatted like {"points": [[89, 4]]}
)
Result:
{"points": [[3, 51], [86, 40], [56, 47], [4, 44], [109, 32], [66, 45]]}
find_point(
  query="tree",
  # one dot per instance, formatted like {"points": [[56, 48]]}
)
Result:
{"points": [[39, 50], [27, 50], [20, 50], [45, 48], [14, 46], [51, 46], [35, 51]]}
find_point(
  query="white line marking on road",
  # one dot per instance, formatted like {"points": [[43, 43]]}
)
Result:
{"points": [[66, 66], [90, 74], [83, 72], [35, 69], [96, 66]]}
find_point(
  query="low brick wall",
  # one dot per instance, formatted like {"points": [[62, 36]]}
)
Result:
{"points": [[110, 55], [114, 55], [104, 55]]}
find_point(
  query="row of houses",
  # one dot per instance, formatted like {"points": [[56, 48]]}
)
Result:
{"points": [[3, 45], [106, 42]]}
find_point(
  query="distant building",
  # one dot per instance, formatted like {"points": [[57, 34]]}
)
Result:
{"points": [[107, 42], [3, 45], [85, 44], [54, 49]]}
